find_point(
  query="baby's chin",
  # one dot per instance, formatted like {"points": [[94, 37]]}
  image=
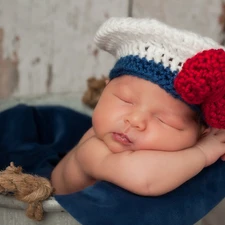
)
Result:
{"points": [[117, 148]]}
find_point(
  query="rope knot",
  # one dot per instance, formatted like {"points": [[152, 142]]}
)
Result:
{"points": [[27, 188]]}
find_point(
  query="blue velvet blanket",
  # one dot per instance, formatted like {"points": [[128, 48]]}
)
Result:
{"points": [[36, 138]]}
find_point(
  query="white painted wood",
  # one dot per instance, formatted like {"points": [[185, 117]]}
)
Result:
{"points": [[54, 39], [54, 42], [12, 212], [200, 16]]}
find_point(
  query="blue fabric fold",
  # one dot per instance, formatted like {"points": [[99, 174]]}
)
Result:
{"points": [[36, 138], [107, 204]]}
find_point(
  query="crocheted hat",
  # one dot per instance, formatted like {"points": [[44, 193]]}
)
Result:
{"points": [[186, 65]]}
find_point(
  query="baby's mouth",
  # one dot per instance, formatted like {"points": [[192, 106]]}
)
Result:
{"points": [[121, 138]]}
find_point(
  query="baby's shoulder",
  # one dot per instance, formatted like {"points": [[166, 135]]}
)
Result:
{"points": [[93, 148], [89, 133]]}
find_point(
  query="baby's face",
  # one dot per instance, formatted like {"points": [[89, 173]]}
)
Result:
{"points": [[135, 114]]}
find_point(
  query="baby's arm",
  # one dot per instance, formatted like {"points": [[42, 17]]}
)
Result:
{"points": [[68, 176], [143, 172], [153, 172], [89, 133]]}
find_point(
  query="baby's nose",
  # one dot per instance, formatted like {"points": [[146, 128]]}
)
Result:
{"points": [[138, 120]]}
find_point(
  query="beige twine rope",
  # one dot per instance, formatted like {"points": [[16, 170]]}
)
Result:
{"points": [[27, 188], [94, 89]]}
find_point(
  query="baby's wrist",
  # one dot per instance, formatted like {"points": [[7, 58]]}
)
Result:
{"points": [[202, 155]]}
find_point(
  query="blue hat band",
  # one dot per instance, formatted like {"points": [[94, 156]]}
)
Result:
{"points": [[148, 70]]}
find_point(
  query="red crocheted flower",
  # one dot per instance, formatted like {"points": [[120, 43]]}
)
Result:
{"points": [[202, 82]]}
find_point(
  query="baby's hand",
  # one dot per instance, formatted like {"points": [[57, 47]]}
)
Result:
{"points": [[212, 145]]}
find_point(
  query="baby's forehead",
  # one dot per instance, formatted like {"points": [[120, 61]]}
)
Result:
{"points": [[130, 81], [153, 92], [123, 79]]}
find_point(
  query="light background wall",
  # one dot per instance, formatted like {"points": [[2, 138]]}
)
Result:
{"points": [[47, 49]]}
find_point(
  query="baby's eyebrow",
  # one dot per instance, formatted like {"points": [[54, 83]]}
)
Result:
{"points": [[184, 119], [124, 88]]}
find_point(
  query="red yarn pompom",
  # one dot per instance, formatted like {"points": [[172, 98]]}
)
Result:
{"points": [[202, 82]]}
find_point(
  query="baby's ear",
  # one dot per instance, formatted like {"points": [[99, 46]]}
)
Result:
{"points": [[204, 131], [106, 81]]}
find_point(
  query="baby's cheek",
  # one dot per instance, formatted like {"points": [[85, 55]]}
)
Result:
{"points": [[188, 140], [95, 121], [98, 123]]}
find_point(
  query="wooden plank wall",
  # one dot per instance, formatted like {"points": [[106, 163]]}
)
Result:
{"points": [[46, 47]]}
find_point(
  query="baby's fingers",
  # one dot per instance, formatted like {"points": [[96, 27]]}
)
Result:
{"points": [[216, 131], [219, 134]]}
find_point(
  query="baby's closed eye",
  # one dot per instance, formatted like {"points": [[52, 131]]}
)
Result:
{"points": [[125, 99], [169, 123]]}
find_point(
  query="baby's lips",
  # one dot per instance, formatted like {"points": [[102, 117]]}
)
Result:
{"points": [[122, 138]]}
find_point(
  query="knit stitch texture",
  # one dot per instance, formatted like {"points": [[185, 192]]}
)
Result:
{"points": [[186, 65]]}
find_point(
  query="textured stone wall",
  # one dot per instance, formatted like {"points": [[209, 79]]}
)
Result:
{"points": [[46, 47], [49, 44], [47, 51]]}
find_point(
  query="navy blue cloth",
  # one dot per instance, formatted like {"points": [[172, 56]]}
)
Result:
{"points": [[38, 137]]}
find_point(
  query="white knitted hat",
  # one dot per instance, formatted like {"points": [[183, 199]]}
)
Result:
{"points": [[151, 39], [186, 65]]}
